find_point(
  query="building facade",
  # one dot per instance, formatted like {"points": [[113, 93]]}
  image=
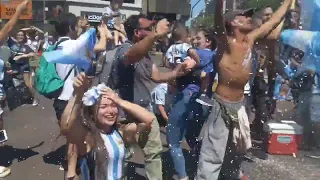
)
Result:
{"points": [[173, 10], [94, 8], [229, 5]]}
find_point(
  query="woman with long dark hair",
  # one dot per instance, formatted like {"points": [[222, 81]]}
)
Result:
{"points": [[4, 32], [21, 54], [90, 121]]}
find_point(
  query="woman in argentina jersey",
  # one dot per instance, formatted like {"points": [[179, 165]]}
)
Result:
{"points": [[90, 122]]}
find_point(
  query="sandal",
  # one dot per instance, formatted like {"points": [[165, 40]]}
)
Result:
{"points": [[4, 171]]}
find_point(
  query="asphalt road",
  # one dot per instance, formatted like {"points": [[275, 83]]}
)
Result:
{"points": [[34, 153]]}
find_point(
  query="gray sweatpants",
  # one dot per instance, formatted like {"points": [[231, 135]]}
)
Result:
{"points": [[218, 156]]}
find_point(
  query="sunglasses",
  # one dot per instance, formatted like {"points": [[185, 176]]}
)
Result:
{"points": [[147, 28]]}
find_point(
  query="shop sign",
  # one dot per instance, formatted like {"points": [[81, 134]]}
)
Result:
{"points": [[92, 16], [8, 8]]}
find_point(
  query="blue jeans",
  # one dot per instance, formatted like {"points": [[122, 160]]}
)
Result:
{"points": [[183, 111]]}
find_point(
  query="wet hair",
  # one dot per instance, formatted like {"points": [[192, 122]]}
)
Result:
{"points": [[64, 23], [178, 31], [131, 24], [209, 34]]}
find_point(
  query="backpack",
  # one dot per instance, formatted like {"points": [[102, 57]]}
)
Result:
{"points": [[47, 81], [108, 74]]}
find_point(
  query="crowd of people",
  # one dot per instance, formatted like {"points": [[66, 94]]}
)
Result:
{"points": [[214, 77]]}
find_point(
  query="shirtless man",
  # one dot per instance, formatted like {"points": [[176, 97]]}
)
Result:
{"points": [[228, 117]]}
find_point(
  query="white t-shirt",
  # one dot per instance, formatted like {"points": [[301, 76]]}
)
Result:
{"points": [[62, 71], [33, 44], [109, 12], [160, 96], [177, 53]]}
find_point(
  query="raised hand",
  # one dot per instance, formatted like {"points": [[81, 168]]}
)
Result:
{"points": [[162, 27], [23, 6], [25, 29], [110, 94], [189, 64], [81, 84], [103, 30]]}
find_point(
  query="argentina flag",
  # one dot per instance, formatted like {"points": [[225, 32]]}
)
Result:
{"points": [[308, 39], [74, 51]]}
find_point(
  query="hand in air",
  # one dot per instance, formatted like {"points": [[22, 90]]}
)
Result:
{"points": [[25, 29], [23, 6], [162, 27], [16, 58], [180, 70], [81, 84], [110, 94], [103, 30], [189, 64]]}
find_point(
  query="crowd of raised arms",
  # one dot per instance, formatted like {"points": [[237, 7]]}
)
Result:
{"points": [[210, 79]]}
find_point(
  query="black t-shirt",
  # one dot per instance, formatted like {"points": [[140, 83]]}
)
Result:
{"points": [[135, 82]]}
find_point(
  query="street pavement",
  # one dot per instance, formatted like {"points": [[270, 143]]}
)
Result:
{"points": [[33, 151]]}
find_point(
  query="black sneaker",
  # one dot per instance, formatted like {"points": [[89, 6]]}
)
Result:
{"points": [[204, 100]]}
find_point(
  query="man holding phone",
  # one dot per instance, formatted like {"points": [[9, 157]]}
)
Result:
{"points": [[136, 76]]}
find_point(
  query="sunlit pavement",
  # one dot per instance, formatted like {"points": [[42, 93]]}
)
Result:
{"points": [[33, 153]]}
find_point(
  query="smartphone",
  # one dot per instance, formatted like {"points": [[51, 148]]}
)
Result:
{"points": [[111, 26], [3, 136], [105, 19]]}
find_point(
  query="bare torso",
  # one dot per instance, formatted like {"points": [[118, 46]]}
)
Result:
{"points": [[234, 68]]}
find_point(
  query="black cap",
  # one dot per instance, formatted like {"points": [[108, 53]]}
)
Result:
{"points": [[229, 16]]}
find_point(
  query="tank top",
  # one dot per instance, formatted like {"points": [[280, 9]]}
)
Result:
{"points": [[116, 156]]}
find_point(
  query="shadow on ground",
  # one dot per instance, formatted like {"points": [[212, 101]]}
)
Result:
{"points": [[132, 173], [10, 153], [168, 168], [55, 157]]}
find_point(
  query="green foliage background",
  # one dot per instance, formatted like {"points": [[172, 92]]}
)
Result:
{"points": [[208, 20], [259, 4]]}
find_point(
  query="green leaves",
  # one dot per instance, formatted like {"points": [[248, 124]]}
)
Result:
{"points": [[259, 4], [203, 21]]}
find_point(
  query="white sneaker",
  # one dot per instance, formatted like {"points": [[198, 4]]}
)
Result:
{"points": [[35, 103], [4, 171]]}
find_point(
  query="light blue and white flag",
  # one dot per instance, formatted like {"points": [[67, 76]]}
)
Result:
{"points": [[310, 15], [308, 39], [74, 51]]}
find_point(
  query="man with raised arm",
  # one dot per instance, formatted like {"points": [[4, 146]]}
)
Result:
{"points": [[227, 136]]}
